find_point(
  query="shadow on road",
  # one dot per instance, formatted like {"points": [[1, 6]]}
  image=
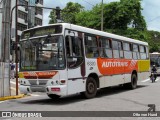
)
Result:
{"points": [[77, 97], [115, 90]]}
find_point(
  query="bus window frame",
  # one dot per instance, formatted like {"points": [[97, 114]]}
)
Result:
{"points": [[71, 50], [130, 50], [86, 46], [100, 38]]}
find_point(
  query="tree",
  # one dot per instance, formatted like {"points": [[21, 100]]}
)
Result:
{"points": [[123, 18], [52, 17], [68, 13], [90, 18], [117, 15], [121, 15]]}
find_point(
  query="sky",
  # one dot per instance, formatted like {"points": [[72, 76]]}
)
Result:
{"points": [[151, 10]]}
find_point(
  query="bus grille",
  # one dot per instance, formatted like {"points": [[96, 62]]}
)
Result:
{"points": [[39, 82]]}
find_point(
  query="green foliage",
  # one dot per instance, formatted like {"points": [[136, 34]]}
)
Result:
{"points": [[120, 15], [52, 17], [70, 11], [68, 14], [122, 18], [90, 18]]}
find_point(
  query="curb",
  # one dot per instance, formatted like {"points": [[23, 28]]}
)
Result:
{"points": [[12, 97]]}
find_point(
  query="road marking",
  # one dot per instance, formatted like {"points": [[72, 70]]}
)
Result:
{"points": [[34, 95], [146, 80], [13, 82], [2, 101]]}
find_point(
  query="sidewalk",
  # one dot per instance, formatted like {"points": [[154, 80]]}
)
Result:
{"points": [[13, 92], [11, 97]]}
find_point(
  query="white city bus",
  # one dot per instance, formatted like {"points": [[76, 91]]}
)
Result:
{"points": [[63, 59]]}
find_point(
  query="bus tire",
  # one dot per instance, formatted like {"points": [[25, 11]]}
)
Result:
{"points": [[53, 96], [91, 88], [133, 83]]}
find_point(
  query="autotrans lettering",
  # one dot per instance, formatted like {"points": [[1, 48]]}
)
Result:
{"points": [[114, 64]]}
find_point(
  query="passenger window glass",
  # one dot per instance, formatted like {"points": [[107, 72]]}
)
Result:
{"points": [[127, 50], [115, 49], [143, 52], [135, 52], [147, 52], [105, 47], [74, 51], [91, 46]]}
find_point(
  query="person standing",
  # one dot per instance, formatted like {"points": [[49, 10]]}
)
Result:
{"points": [[12, 67]]}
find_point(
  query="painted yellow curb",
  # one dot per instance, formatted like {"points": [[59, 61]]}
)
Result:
{"points": [[11, 97]]}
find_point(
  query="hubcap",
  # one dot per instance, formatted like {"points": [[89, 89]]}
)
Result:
{"points": [[90, 87]]}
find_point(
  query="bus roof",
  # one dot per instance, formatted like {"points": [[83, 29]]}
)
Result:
{"points": [[93, 31], [155, 53]]}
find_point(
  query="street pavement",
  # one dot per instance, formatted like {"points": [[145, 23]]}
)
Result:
{"points": [[109, 99]]}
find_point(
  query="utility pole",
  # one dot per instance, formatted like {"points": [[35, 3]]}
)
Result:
{"points": [[5, 50], [102, 17], [16, 50]]}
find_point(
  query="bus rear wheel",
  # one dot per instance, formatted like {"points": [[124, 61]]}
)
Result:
{"points": [[53, 96], [91, 88], [133, 83]]}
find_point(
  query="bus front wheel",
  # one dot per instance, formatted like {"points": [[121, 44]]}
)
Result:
{"points": [[91, 88]]}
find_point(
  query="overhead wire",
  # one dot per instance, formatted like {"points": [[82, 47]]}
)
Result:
{"points": [[153, 19], [88, 3]]}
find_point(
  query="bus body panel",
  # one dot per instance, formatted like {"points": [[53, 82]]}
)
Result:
{"points": [[110, 71]]}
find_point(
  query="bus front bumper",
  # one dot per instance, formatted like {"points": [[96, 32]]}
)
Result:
{"points": [[60, 90]]}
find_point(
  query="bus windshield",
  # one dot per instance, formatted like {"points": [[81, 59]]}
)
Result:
{"points": [[44, 53], [155, 59]]}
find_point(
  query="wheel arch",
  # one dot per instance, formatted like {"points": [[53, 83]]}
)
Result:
{"points": [[95, 76]]}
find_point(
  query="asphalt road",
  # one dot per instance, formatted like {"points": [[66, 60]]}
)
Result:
{"points": [[109, 99]]}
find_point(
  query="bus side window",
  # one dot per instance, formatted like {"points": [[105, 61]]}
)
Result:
{"points": [[120, 48], [67, 46], [143, 52], [91, 46], [74, 51], [135, 51], [115, 49], [127, 50], [147, 52], [105, 47]]}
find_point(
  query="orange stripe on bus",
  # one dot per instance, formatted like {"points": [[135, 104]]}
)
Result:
{"points": [[39, 75], [116, 66]]}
